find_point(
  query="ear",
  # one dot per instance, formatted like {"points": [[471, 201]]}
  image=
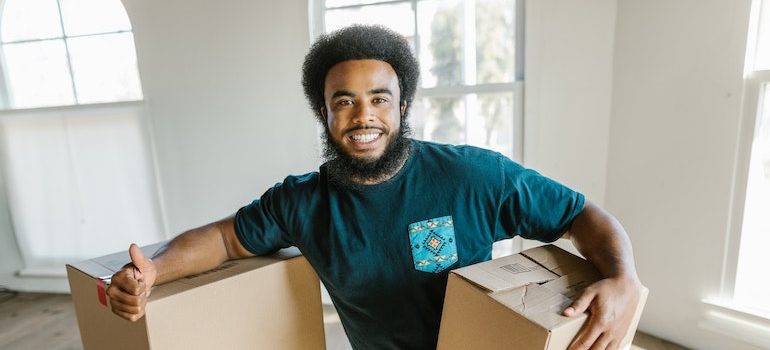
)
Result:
{"points": [[323, 117], [403, 108]]}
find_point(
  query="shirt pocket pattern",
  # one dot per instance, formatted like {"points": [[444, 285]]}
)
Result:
{"points": [[433, 244]]}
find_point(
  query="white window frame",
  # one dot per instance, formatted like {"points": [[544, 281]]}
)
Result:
{"points": [[316, 13], [723, 314], [6, 93]]}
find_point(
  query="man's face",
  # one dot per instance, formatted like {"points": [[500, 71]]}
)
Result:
{"points": [[363, 109]]}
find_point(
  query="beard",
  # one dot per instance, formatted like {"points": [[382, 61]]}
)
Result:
{"points": [[348, 172]]}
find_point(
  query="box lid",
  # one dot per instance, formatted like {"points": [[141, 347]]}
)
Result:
{"points": [[537, 283], [104, 267]]}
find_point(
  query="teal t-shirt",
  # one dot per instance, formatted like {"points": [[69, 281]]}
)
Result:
{"points": [[384, 251]]}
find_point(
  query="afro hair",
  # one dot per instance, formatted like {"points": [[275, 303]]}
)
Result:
{"points": [[358, 42]]}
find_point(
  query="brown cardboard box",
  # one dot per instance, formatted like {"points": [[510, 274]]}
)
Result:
{"points": [[257, 303], [515, 302]]}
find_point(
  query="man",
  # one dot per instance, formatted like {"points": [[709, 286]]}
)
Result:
{"points": [[386, 217]]}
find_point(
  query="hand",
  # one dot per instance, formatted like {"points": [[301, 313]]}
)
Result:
{"points": [[612, 305], [131, 285]]}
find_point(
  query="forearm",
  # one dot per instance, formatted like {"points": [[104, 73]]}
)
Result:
{"points": [[194, 251], [603, 241]]}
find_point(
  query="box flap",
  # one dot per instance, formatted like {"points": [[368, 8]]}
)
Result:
{"points": [[538, 283], [224, 271], [105, 266], [505, 273], [557, 260]]}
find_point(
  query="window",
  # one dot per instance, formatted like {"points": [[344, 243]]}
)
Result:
{"points": [[751, 291], [470, 64], [742, 310], [66, 52], [78, 171]]}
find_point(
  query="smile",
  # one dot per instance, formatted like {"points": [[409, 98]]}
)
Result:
{"points": [[366, 138]]}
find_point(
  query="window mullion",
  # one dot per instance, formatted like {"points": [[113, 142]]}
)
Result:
{"points": [[466, 89], [67, 52], [759, 75], [65, 37], [346, 7], [417, 38], [518, 46]]}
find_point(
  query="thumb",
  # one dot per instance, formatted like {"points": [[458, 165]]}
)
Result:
{"points": [[580, 305], [138, 259]]}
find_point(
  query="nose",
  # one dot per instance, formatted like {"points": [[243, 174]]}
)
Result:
{"points": [[364, 113]]}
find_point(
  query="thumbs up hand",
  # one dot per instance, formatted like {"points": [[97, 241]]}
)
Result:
{"points": [[131, 286]]}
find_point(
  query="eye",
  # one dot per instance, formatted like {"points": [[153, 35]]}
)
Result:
{"points": [[379, 100], [345, 102]]}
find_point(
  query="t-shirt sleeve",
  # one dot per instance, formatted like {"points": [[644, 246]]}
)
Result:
{"points": [[259, 227], [534, 206]]}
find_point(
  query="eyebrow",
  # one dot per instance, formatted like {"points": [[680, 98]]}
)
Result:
{"points": [[381, 91], [339, 93]]}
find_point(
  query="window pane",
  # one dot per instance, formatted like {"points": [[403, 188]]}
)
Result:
{"points": [[491, 124], [441, 38], [38, 74], [337, 3], [483, 120], [105, 68], [755, 233], [439, 119], [495, 47], [398, 17], [93, 16], [30, 19], [762, 58]]}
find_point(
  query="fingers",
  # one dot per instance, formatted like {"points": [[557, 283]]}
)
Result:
{"points": [[581, 304], [602, 343], [128, 296], [125, 281], [128, 306], [612, 305], [587, 337]]}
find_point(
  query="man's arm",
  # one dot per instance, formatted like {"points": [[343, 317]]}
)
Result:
{"points": [[611, 301], [192, 252]]}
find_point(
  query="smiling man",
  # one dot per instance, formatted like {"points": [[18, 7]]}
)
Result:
{"points": [[386, 217], [365, 139]]}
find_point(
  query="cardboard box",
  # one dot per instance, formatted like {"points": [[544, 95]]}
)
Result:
{"points": [[515, 302], [257, 303]]}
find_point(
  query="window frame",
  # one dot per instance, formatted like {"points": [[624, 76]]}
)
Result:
{"points": [[316, 13], [6, 93], [723, 313]]}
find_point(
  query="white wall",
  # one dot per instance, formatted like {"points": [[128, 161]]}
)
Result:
{"points": [[675, 114], [222, 81], [568, 77], [222, 85]]}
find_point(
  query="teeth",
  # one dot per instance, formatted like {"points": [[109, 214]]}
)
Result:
{"points": [[365, 137]]}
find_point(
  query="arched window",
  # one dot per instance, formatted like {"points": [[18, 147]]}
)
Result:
{"points": [[67, 52], [79, 177]]}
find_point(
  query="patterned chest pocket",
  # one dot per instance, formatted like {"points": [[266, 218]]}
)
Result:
{"points": [[433, 244]]}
